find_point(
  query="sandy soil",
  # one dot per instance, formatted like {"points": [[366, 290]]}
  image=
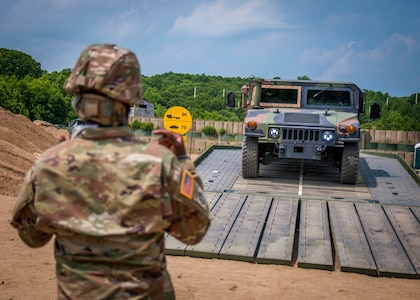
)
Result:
{"points": [[30, 273]]}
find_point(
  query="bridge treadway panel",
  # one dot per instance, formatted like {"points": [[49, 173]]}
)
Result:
{"points": [[277, 242], [243, 239], [314, 236], [389, 254], [350, 242], [223, 217], [407, 228], [175, 247], [416, 212]]}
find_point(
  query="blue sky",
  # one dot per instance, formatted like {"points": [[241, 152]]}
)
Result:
{"points": [[374, 43]]}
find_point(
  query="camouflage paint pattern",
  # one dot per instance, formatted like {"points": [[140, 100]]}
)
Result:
{"points": [[266, 114], [109, 199], [266, 117]]}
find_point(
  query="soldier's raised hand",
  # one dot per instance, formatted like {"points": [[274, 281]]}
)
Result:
{"points": [[172, 141]]}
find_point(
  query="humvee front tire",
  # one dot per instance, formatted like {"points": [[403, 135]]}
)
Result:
{"points": [[349, 167], [250, 157]]}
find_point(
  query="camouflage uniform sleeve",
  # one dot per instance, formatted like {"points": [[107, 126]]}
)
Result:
{"points": [[190, 212], [24, 216]]}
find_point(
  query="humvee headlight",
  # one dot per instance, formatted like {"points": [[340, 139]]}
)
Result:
{"points": [[274, 133], [327, 136], [252, 124], [351, 129]]}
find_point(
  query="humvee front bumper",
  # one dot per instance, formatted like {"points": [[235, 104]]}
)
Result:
{"points": [[300, 151]]}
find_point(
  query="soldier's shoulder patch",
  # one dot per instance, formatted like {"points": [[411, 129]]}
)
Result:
{"points": [[187, 185]]}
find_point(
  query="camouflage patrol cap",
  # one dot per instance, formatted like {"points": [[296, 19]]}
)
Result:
{"points": [[108, 70]]}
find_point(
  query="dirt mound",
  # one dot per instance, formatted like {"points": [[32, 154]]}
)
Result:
{"points": [[59, 134], [21, 142]]}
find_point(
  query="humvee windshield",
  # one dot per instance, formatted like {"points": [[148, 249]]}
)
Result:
{"points": [[290, 96], [281, 96], [329, 98]]}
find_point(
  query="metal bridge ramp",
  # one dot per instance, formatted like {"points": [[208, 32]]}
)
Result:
{"points": [[314, 236], [278, 238], [391, 257], [349, 235], [238, 222], [350, 242], [266, 229]]}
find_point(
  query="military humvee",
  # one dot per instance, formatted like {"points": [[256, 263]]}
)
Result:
{"points": [[301, 119]]}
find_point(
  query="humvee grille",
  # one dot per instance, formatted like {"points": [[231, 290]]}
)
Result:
{"points": [[295, 134], [301, 118]]}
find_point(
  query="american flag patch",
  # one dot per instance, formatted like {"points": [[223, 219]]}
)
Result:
{"points": [[187, 185]]}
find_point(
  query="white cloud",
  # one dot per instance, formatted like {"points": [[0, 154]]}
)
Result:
{"points": [[62, 4], [397, 40], [336, 63], [343, 18], [341, 67], [317, 56], [121, 25], [375, 55], [224, 17], [261, 44], [350, 44], [163, 60], [328, 39], [396, 47]]}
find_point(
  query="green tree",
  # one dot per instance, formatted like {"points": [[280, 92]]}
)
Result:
{"points": [[397, 113], [26, 89], [14, 62], [304, 77]]}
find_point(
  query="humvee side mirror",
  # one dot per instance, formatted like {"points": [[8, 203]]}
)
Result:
{"points": [[231, 99], [375, 111]]}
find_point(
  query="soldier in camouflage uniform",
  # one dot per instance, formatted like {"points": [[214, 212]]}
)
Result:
{"points": [[106, 196]]}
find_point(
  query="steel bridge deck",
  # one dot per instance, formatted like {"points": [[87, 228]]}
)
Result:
{"points": [[301, 214]]}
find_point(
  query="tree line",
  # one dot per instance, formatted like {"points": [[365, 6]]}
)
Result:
{"points": [[27, 89]]}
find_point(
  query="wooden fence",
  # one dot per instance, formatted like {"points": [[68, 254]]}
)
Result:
{"points": [[234, 128], [398, 142]]}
